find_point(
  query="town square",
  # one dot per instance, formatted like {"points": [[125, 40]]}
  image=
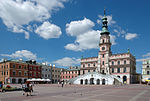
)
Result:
{"points": [[74, 50]]}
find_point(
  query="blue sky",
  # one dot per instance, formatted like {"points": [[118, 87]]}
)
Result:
{"points": [[61, 31]]}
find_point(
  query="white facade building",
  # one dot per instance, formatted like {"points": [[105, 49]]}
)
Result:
{"points": [[46, 71]]}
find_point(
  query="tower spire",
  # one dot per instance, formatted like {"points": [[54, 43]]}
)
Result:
{"points": [[104, 26]]}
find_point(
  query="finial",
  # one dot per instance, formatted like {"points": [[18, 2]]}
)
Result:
{"points": [[104, 12]]}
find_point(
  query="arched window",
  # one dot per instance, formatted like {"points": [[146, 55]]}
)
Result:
{"points": [[124, 69], [112, 70], [103, 81], [86, 81], [118, 70], [124, 79], [118, 62], [103, 62], [81, 81], [124, 61], [98, 81]]}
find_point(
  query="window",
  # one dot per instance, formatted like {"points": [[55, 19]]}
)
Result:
{"points": [[94, 64], [19, 73], [45, 75], [124, 70], [118, 70], [147, 66], [83, 65], [72, 76], [83, 72], [25, 73], [14, 73], [88, 65], [147, 72], [118, 62], [93, 70], [103, 55], [55, 70], [46, 69], [103, 62], [19, 67], [112, 62], [112, 70], [7, 73], [25, 67], [124, 61], [88, 70], [14, 65], [103, 40]]}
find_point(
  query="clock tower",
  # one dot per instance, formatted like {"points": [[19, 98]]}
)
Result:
{"points": [[105, 48]]}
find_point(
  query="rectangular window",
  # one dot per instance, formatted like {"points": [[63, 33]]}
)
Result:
{"points": [[88, 65], [88, 70], [124, 70], [14, 73], [14, 65], [19, 67], [112, 70], [118, 70], [19, 73], [103, 62], [103, 55], [147, 72]]}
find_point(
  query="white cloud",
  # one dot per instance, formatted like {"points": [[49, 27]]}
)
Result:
{"points": [[146, 55], [48, 30], [112, 39], [86, 37], [109, 19], [19, 13], [88, 40], [21, 54], [130, 36], [75, 28], [67, 61]]}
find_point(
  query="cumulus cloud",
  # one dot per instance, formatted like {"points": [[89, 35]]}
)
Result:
{"points": [[21, 54], [75, 28], [86, 37], [20, 13], [130, 36], [67, 61], [48, 30], [145, 57]]}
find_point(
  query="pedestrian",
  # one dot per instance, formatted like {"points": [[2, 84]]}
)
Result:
{"points": [[62, 84], [1, 86]]}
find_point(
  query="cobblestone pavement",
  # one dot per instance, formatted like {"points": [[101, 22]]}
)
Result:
{"points": [[49, 92]]}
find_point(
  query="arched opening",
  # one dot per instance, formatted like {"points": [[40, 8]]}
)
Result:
{"points": [[13, 80], [81, 81], [92, 81], [124, 79], [102, 71], [118, 76], [86, 81], [98, 81], [25, 80], [103, 81], [19, 80]]}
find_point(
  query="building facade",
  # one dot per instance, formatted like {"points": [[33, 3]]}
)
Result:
{"points": [[121, 65], [46, 71], [70, 73], [18, 71], [56, 74], [145, 70]]}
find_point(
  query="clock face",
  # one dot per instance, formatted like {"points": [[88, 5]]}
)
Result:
{"points": [[103, 48]]}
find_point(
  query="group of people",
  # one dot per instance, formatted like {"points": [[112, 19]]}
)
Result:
{"points": [[27, 88]]}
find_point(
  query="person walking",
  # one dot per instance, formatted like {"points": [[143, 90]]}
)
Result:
{"points": [[62, 84]]}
